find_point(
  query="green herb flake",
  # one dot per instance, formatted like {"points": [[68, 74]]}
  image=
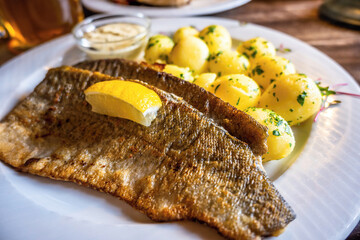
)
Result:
{"points": [[325, 90], [301, 98], [216, 88], [211, 29], [150, 45], [181, 75], [288, 130], [272, 80], [257, 70], [276, 133], [274, 86], [253, 55], [290, 144], [291, 110], [246, 55], [237, 103], [219, 74]]}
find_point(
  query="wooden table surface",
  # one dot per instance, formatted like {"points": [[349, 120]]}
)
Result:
{"points": [[300, 19]]}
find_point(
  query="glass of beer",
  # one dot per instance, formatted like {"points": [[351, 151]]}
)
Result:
{"points": [[31, 22]]}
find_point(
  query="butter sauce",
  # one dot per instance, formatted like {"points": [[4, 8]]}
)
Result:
{"points": [[125, 40]]}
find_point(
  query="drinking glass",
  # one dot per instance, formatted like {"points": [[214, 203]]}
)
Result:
{"points": [[31, 22]]}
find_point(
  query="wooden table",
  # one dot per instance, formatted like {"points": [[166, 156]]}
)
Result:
{"points": [[300, 19]]}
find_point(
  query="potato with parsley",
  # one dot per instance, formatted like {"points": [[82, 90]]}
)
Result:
{"points": [[216, 37], [256, 47], [295, 97], [158, 49], [190, 52], [237, 89], [205, 80], [281, 141], [185, 32], [183, 73], [228, 62], [268, 69]]}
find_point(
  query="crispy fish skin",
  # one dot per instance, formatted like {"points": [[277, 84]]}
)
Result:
{"points": [[236, 122], [183, 167]]}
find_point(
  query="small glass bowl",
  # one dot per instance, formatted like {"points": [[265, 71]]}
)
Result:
{"points": [[129, 48]]}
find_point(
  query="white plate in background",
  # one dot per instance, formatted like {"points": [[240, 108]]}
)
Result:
{"points": [[196, 7], [321, 181]]}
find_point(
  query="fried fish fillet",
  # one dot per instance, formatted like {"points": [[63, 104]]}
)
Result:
{"points": [[236, 122], [183, 167]]}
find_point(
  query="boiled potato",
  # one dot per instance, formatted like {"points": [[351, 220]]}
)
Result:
{"points": [[179, 72], [295, 97], [185, 32], [216, 37], [256, 47], [237, 89], [158, 49], [190, 52], [269, 69], [281, 141], [228, 62], [204, 80]]}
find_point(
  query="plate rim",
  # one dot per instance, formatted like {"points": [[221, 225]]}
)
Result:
{"points": [[109, 7]]}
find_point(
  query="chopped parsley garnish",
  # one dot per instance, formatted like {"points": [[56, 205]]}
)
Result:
{"points": [[279, 123], [325, 90], [216, 88], [291, 110], [211, 29], [244, 66], [237, 103], [181, 75], [212, 57], [254, 54], [150, 45], [219, 74], [288, 130], [301, 98], [276, 133], [257, 70], [272, 80]]}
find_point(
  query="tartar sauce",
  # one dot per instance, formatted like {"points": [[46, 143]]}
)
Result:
{"points": [[125, 40]]}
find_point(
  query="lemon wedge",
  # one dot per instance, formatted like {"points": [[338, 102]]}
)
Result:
{"points": [[124, 99]]}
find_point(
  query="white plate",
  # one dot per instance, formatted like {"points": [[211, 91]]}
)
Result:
{"points": [[322, 185], [196, 7]]}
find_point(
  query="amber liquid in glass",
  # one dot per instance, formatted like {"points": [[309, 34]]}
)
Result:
{"points": [[31, 22]]}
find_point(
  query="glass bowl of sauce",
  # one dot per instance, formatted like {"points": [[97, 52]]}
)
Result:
{"points": [[113, 35]]}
